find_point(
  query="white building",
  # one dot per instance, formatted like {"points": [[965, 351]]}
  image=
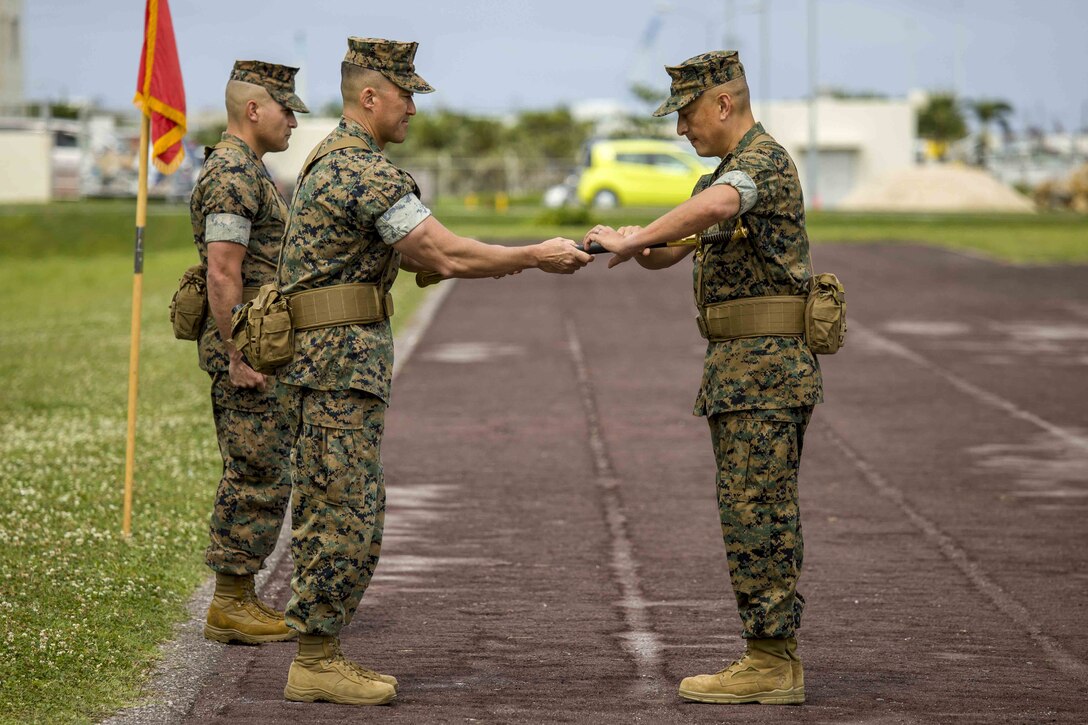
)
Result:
{"points": [[26, 165], [857, 142], [285, 165]]}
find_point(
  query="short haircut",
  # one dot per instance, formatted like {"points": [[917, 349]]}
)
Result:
{"points": [[737, 89], [239, 93], [354, 78]]}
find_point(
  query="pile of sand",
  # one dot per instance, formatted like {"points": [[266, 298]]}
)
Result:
{"points": [[936, 189]]}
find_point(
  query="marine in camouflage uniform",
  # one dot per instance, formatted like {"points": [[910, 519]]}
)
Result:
{"points": [[238, 217], [349, 207], [757, 391], [352, 216]]}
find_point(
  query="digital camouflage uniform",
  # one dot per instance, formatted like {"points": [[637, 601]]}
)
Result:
{"points": [[254, 435], [757, 393], [347, 212], [235, 201]]}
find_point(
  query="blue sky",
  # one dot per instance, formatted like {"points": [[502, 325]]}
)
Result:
{"points": [[493, 56]]}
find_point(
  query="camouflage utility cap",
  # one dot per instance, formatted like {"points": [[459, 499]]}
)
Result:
{"points": [[278, 80], [391, 58], [698, 74]]}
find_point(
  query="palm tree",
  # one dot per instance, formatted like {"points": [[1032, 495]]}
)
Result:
{"points": [[941, 122], [988, 111]]}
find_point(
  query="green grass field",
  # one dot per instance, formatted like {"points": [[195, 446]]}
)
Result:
{"points": [[81, 609]]}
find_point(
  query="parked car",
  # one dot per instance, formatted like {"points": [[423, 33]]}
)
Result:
{"points": [[639, 172]]}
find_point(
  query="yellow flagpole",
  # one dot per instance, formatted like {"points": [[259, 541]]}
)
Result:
{"points": [[137, 299]]}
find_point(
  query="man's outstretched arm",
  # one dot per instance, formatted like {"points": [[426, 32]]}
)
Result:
{"points": [[706, 208], [434, 247]]}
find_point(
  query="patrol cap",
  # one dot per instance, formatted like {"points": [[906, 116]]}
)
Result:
{"points": [[392, 58], [698, 74], [278, 80]]}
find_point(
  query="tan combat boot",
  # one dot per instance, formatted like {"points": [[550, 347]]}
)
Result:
{"points": [[795, 665], [237, 615], [763, 675], [321, 672]]}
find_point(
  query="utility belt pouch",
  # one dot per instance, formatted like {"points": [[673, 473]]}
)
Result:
{"points": [[825, 315], [261, 329], [189, 306]]}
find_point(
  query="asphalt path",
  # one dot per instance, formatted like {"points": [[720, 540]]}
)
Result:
{"points": [[553, 553]]}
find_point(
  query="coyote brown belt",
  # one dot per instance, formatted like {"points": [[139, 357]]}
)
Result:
{"points": [[250, 293], [753, 317], [342, 304]]}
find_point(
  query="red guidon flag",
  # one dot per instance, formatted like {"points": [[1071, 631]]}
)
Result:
{"points": [[159, 91]]}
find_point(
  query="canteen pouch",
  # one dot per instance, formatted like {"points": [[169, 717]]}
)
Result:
{"points": [[261, 329], [189, 306], [825, 315]]}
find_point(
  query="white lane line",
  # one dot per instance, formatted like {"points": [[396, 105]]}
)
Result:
{"points": [[640, 641], [1004, 602], [405, 343], [878, 342]]}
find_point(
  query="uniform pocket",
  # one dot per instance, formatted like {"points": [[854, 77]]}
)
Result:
{"points": [[757, 454], [339, 448]]}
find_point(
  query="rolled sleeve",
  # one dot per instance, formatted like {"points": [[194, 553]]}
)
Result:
{"points": [[227, 228], [401, 218], [744, 185]]}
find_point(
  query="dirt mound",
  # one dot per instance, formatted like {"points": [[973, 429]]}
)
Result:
{"points": [[937, 189]]}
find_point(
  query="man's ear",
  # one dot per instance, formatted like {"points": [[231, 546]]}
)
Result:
{"points": [[725, 105], [251, 110], [366, 98]]}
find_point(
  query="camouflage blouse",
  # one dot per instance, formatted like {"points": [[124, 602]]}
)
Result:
{"points": [[757, 372], [236, 201], [336, 235]]}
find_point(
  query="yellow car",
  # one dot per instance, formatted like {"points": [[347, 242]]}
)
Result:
{"points": [[639, 172]]}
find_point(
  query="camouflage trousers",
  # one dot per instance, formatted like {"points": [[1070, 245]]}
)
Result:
{"points": [[255, 438], [758, 453], [337, 508]]}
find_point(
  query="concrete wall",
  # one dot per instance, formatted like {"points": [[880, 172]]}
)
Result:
{"points": [[27, 171], [859, 141]]}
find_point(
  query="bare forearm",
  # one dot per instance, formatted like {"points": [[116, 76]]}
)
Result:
{"points": [[662, 258], [693, 216], [436, 248], [471, 259], [224, 292], [411, 264]]}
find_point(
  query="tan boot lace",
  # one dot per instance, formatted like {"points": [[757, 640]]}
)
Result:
{"points": [[249, 594], [733, 667], [368, 674], [338, 656]]}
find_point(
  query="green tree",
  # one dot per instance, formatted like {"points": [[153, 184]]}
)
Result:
{"points": [[642, 122], [988, 111], [452, 133], [552, 133], [941, 121]]}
